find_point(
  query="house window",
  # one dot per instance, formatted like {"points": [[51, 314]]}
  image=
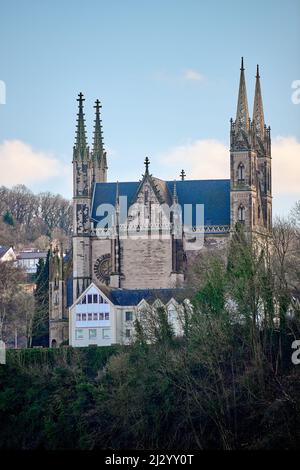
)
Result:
{"points": [[78, 334], [84, 317], [93, 333], [106, 315], [83, 300], [95, 298], [101, 316], [241, 214], [90, 316], [128, 316], [101, 299], [95, 316], [241, 173], [90, 299], [106, 333], [78, 316], [128, 333]]}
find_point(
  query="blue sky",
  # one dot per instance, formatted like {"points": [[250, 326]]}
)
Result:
{"points": [[167, 74]]}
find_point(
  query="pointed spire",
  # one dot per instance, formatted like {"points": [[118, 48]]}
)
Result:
{"points": [[242, 113], [258, 111], [80, 141], [98, 148]]}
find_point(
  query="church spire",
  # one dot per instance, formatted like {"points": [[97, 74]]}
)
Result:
{"points": [[98, 147], [80, 140], [258, 111], [242, 113]]}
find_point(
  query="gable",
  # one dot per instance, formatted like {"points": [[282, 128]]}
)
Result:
{"points": [[91, 290]]}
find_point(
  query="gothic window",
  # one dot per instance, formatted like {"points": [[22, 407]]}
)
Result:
{"points": [[241, 214], [146, 196], [258, 212], [241, 173]]}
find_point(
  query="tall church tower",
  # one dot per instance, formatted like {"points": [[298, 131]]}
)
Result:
{"points": [[250, 164], [81, 207]]}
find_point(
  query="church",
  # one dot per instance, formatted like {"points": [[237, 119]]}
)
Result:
{"points": [[134, 242]]}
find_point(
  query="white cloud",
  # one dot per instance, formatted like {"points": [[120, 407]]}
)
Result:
{"points": [[202, 159], [183, 76], [21, 164], [193, 75], [286, 165]]}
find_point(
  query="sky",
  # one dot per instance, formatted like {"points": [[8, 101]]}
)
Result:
{"points": [[167, 74]]}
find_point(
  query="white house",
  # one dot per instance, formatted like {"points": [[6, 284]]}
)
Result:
{"points": [[105, 316]]}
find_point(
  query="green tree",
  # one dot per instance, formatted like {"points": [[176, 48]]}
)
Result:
{"points": [[40, 327], [8, 219]]}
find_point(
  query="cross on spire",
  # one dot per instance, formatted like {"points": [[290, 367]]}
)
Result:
{"points": [[80, 99], [182, 175], [97, 106], [147, 163]]}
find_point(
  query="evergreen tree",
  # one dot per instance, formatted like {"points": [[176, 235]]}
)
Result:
{"points": [[8, 219], [40, 327]]}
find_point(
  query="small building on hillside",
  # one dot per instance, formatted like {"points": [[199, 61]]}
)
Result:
{"points": [[29, 259]]}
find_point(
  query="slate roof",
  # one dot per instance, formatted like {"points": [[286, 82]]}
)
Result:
{"points": [[3, 250], [32, 254], [214, 194], [129, 297]]}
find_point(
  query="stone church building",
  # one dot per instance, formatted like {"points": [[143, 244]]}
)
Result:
{"points": [[128, 240]]}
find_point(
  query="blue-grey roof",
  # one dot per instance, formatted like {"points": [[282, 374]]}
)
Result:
{"points": [[214, 194], [32, 254], [3, 250], [129, 297]]}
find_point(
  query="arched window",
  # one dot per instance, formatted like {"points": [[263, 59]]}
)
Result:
{"points": [[241, 214], [241, 173], [146, 196]]}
